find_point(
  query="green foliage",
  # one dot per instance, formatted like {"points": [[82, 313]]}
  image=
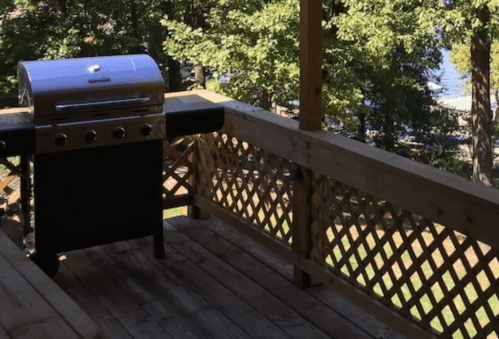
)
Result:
{"points": [[383, 61], [254, 43], [447, 161], [377, 55], [382, 28], [32, 30], [461, 58], [495, 129], [378, 59]]}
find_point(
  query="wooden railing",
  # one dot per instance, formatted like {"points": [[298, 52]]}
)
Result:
{"points": [[414, 246], [9, 173]]}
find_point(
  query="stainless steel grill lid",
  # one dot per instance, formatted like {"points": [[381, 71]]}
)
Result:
{"points": [[93, 102], [67, 89]]}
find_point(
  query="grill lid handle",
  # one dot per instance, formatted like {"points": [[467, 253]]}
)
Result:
{"points": [[98, 104]]}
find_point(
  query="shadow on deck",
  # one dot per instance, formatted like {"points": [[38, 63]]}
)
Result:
{"points": [[213, 283]]}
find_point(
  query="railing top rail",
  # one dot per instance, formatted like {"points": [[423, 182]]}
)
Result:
{"points": [[466, 206], [14, 110]]}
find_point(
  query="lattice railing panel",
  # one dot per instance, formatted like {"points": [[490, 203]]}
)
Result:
{"points": [[439, 278], [178, 167], [9, 181], [248, 181]]}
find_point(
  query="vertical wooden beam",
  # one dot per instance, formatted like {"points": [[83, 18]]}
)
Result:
{"points": [[310, 119], [194, 211], [310, 64], [301, 224]]}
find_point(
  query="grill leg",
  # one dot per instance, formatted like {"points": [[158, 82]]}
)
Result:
{"points": [[25, 193], [47, 261], [158, 246]]}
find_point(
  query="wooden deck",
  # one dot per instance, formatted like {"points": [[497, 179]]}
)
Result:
{"points": [[213, 283], [32, 306]]}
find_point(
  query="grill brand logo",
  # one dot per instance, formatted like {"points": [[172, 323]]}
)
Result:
{"points": [[104, 79]]}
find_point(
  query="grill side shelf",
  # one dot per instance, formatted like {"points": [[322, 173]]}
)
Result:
{"points": [[192, 115], [17, 134]]}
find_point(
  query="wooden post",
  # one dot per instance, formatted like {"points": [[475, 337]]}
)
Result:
{"points": [[301, 224], [310, 64], [194, 211], [310, 120]]}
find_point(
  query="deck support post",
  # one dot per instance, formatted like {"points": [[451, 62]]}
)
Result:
{"points": [[310, 64], [194, 211], [301, 225], [310, 120]]}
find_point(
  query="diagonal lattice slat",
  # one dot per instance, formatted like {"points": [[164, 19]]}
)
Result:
{"points": [[178, 168], [9, 181], [444, 281], [248, 181]]}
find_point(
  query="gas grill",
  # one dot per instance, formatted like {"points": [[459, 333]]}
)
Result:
{"points": [[93, 102], [96, 127]]}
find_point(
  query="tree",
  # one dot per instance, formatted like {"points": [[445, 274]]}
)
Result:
{"points": [[388, 69], [193, 14], [18, 41], [465, 22], [33, 30], [380, 86], [461, 58], [254, 44], [480, 105], [449, 23]]}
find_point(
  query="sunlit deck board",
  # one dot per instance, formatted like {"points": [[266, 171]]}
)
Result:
{"points": [[32, 306], [332, 301], [213, 283]]}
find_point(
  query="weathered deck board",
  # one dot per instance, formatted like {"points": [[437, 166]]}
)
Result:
{"points": [[213, 283], [332, 299], [244, 286], [3, 333], [229, 307], [32, 306], [112, 296], [307, 307], [70, 283], [197, 317]]}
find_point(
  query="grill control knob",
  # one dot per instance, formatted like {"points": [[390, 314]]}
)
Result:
{"points": [[119, 133], [3, 146], [90, 136], [146, 130], [60, 139]]}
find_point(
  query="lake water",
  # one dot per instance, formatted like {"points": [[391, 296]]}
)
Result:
{"points": [[451, 79]]}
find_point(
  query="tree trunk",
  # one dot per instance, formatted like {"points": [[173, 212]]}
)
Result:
{"points": [[199, 76], [134, 18], [480, 107], [63, 6], [174, 76], [196, 15], [265, 100], [361, 131]]}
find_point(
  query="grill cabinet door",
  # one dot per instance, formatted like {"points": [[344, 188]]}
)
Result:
{"points": [[96, 196]]}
